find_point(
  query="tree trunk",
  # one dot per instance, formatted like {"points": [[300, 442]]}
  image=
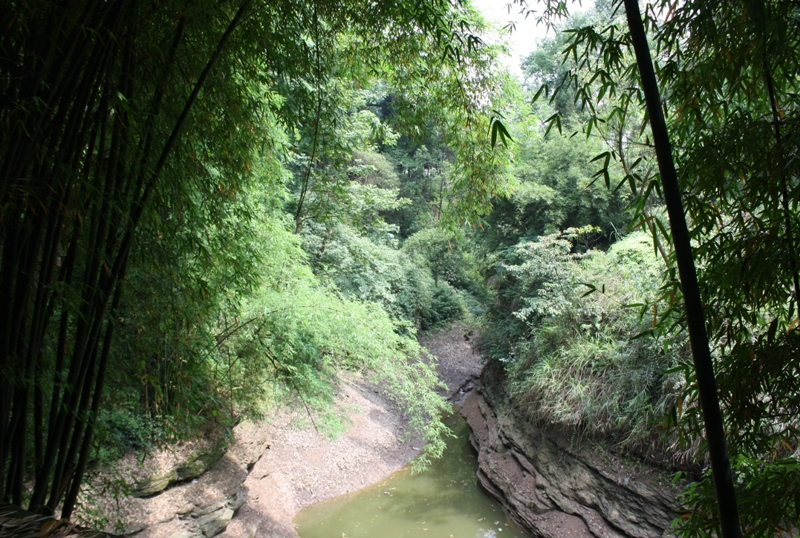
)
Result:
{"points": [[704, 368]]}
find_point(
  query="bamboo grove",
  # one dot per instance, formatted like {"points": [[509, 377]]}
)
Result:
{"points": [[105, 105], [727, 75]]}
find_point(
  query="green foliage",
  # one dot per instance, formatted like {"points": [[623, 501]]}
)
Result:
{"points": [[558, 189], [446, 116], [425, 171], [121, 430], [373, 272], [556, 181], [443, 253], [447, 305], [372, 168], [758, 485], [155, 147], [304, 334], [584, 356], [287, 338], [732, 126], [201, 261]]}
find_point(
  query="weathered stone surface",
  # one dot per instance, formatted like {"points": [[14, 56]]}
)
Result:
{"points": [[555, 486], [164, 468], [198, 508], [185, 534], [155, 483], [213, 523], [250, 440]]}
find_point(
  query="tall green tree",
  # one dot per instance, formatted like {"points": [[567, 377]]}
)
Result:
{"points": [[695, 318], [106, 108]]}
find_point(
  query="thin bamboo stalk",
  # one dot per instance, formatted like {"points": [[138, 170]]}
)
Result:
{"points": [[701, 354]]}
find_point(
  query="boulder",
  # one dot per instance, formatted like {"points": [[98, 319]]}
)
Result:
{"points": [[167, 469], [215, 522]]}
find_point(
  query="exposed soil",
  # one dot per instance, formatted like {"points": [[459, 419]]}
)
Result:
{"points": [[302, 467], [276, 468], [459, 364]]}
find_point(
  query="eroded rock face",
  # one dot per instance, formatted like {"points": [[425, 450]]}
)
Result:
{"points": [[557, 487], [164, 468], [270, 470], [191, 491]]}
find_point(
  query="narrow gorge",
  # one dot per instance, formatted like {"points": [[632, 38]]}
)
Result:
{"points": [[254, 480]]}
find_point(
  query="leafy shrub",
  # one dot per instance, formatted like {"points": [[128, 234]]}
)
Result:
{"points": [[443, 253], [767, 495], [305, 334], [401, 282], [587, 358], [203, 349], [446, 305], [119, 430]]}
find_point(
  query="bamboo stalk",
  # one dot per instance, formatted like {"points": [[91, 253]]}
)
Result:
{"points": [[701, 354]]}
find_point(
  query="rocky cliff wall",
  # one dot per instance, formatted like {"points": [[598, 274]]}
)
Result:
{"points": [[557, 486]]}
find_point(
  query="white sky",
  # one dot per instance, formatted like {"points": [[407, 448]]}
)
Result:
{"points": [[523, 40]]}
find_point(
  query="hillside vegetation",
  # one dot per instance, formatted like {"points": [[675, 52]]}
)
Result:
{"points": [[210, 209]]}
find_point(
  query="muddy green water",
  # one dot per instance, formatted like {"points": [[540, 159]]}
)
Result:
{"points": [[441, 502]]}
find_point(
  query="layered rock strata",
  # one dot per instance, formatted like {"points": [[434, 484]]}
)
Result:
{"points": [[556, 486], [190, 491]]}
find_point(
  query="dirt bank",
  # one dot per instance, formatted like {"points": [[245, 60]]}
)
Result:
{"points": [[275, 468], [301, 467]]}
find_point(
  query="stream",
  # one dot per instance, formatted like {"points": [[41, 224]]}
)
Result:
{"points": [[443, 501]]}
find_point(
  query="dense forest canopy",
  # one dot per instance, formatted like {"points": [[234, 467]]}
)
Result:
{"points": [[211, 208], [161, 148]]}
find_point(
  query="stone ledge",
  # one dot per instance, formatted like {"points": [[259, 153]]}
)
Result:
{"points": [[554, 488]]}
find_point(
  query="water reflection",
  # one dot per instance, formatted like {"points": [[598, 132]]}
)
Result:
{"points": [[443, 501]]}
